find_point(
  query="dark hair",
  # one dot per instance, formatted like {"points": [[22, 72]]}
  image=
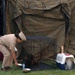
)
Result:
{"points": [[17, 36]]}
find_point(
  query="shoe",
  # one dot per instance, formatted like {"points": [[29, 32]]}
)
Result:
{"points": [[8, 67], [4, 69]]}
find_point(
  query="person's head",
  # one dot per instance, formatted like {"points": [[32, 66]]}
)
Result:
{"points": [[20, 37]]}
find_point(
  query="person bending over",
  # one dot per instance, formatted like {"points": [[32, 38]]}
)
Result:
{"points": [[7, 46]]}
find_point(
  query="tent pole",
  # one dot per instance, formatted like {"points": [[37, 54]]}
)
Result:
{"points": [[4, 18]]}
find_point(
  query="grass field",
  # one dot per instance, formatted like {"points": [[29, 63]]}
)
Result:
{"points": [[55, 71]]}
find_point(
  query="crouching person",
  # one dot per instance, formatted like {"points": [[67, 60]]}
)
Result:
{"points": [[7, 46]]}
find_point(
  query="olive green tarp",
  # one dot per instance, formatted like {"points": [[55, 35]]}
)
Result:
{"points": [[50, 18]]}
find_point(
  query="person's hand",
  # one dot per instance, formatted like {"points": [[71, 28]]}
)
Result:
{"points": [[16, 63]]}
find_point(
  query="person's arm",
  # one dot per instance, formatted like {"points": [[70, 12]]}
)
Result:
{"points": [[14, 57]]}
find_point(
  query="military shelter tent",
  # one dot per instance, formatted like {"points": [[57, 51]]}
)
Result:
{"points": [[53, 19]]}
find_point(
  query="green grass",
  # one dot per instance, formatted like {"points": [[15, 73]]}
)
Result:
{"points": [[55, 71]]}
